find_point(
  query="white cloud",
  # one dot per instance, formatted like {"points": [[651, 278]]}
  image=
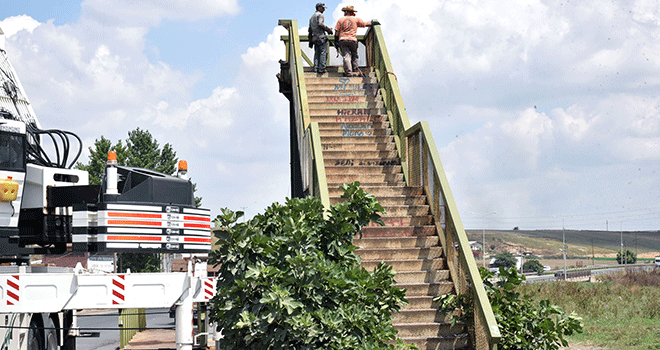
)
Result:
{"points": [[539, 108], [152, 12], [214, 112], [12, 25]]}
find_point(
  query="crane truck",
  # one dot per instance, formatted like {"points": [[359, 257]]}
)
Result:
{"points": [[48, 207]]}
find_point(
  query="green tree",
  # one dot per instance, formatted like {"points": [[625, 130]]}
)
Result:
{"points": [[628, 257], [522, 323], [504, 259], [138, 262], [289, 279], [98, 157], [533, 265], [141, 150]]}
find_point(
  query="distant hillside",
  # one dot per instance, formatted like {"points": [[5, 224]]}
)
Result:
{"points": [[580, 243]]}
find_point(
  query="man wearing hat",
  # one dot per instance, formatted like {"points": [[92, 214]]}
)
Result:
{"points": [[346, 31], [318, 39]]}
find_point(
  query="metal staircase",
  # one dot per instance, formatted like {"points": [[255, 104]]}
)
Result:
{"points": [[355, 129]]}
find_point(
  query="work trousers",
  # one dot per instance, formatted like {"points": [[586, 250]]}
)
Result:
{"points": [[320, 54], [349, 53]]}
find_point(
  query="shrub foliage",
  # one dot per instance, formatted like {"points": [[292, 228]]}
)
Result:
{"points": [[505, 259], [533, 265], [523, 323], [289, 279], [628, 257]]}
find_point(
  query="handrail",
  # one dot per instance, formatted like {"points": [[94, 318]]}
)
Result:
{"points": [[378, 58], [426, 170], [422, 167], [308, 134]]}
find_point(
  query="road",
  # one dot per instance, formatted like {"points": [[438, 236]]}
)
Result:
{"points": [[102, 332], [601, 270]]}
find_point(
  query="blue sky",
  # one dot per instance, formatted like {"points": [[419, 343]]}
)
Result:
{"points": [[544, 112]]}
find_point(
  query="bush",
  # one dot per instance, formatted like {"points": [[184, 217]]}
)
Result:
{"points": [[628, 257], [504, 259], [523, 324], [533, 266], [289, 279]]}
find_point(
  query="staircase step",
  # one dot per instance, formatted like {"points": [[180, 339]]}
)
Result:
{"points": [[349, 119], [375, 169], [312, 79], [389, 200], [347, 112], [406, 220], [382, 191], [420, 316], [429, 329], [438, 288], [460, 341], [354, 132], [434, 276], [340, 161], [397, 242], [338, 69], [415, 210], [358, 155], [407, 265], [374, 139], [356, 84], [370, 184], [398, 231], [421, 302], [399, 253], [373, 124], [329, 90], [366, 178], [343, 146], [345, 105]]}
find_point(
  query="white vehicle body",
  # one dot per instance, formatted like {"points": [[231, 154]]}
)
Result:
{"points": [[48, 208], [39, 303]]}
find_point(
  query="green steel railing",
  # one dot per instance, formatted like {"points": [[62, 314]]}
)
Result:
{"points": [[422, 167], [309, 138], [131, 321]]}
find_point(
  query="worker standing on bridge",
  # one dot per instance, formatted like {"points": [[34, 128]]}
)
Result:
{"points": [[346, 34], [318, 39]]}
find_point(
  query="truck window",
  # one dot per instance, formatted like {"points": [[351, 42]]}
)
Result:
{"points": [[12, 152]]}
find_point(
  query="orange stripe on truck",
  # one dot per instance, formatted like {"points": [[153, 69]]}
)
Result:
{"points": [[197, 218], [134, 223], [134, 238], [197, 240], [196, 225], [135, 215]]}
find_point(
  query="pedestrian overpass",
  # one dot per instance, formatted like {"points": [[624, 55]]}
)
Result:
{"points": [[346, 129]]}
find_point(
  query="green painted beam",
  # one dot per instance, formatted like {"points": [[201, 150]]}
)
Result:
{"points": [[463, 245]]}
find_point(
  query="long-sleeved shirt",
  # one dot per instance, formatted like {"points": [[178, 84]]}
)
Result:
{"points": [[347, 27], [317, 27]]}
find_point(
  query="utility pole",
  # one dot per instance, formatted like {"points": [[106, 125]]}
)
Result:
{"points": [[621, 233], [563, 248], [483, 248], [483, 236]]}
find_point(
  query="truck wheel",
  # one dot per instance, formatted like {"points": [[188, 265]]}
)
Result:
{"points": [[35, 339], [51, 335]]}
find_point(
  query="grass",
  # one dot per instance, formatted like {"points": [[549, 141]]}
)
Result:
{"points": [[621, 312]]}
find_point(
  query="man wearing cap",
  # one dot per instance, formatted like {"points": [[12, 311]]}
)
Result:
{"points": [[318, 39], [346, 31]]}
